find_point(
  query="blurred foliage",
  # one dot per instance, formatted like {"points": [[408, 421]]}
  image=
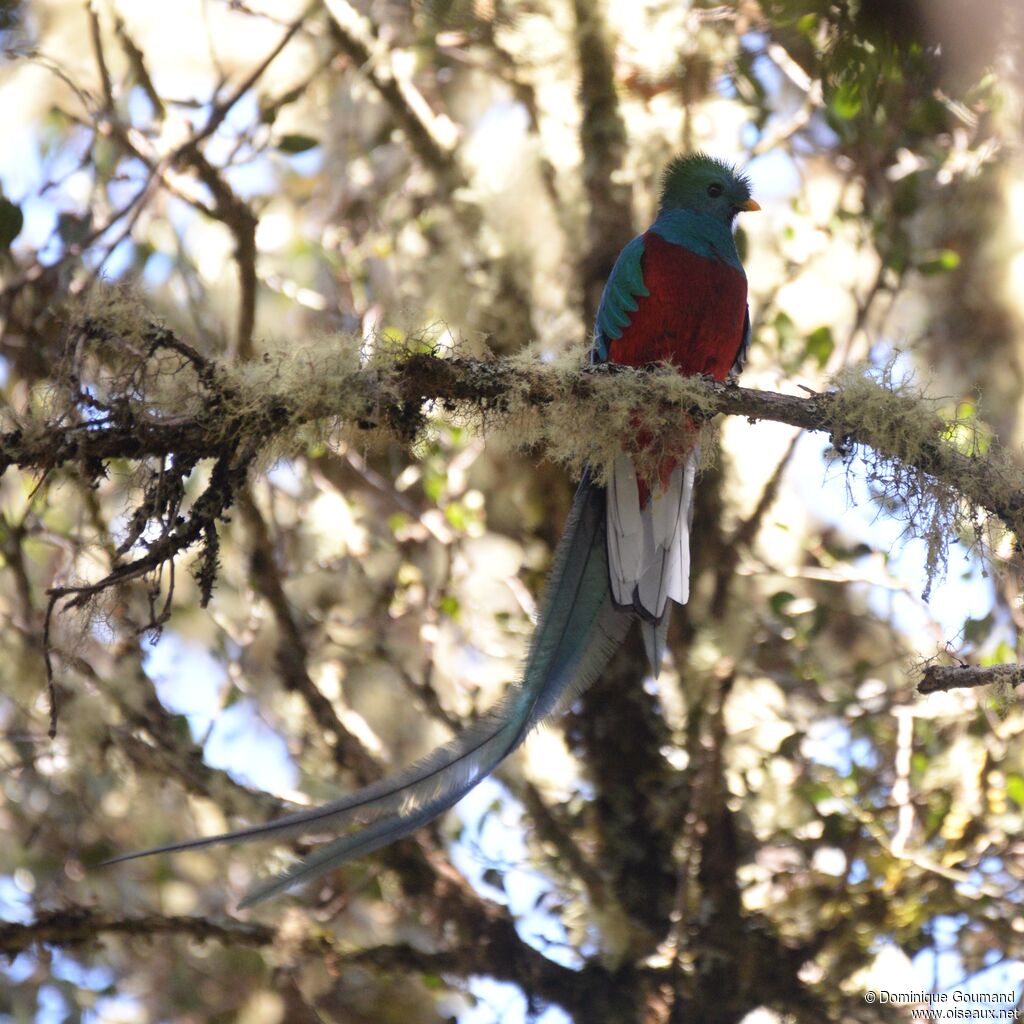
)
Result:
{"points": [[780, 824]]}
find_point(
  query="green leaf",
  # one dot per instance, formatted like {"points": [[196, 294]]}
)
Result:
{"points": [[11, 222], [898, 255], [434, 483], [297, 143], [976, 631], [807, 25], [1015, 789], [784, 327], [1004, 654], [846, 103], [779, 600], [942, 263], [815, 792], [455, 513], [820, 344]]}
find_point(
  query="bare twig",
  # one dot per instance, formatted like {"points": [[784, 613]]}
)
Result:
{"points": [[237, 216], [221, 110], [428, 134], [292, 655], [746, 533]]}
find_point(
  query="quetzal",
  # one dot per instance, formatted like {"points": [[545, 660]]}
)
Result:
{"points": [[677, 293]]}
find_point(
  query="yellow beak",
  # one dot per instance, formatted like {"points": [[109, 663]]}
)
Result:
{"points": [[750, 206]]}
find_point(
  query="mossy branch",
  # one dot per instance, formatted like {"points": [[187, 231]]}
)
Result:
{"points": [[134, 391], [961, 677], [567, 411]]}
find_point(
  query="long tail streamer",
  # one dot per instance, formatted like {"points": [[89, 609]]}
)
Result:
{"points": [[579, 628]]}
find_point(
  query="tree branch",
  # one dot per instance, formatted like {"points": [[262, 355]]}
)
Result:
{"points": [[292, 655], [427, 133], [896, 425], [496, 950], [603, 141], [80, 925], [954, 677]]}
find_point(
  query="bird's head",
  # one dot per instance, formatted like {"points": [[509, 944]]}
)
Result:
{"points": [[703, 184]]}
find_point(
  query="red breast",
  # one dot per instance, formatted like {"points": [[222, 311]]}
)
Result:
{"points": [[692, 317]]}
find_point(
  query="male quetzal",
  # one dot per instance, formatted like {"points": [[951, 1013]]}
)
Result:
{"points": [[677, 293]]}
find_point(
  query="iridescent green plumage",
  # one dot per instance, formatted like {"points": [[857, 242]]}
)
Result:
{"points": [[685, 182], [672, 295]]}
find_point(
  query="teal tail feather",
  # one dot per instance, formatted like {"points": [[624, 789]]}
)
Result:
{"points": [[578, 630]]}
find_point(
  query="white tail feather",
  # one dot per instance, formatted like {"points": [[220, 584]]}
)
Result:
{"points": [[649, 547]]}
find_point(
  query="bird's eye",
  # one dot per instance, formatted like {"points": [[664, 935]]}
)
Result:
{"points": [[714, 190]]}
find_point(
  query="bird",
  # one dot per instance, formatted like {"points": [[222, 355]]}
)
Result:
{"points": [[677, 294]]}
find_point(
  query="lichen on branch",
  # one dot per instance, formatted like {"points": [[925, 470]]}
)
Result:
{"points": [[132, 391]]}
